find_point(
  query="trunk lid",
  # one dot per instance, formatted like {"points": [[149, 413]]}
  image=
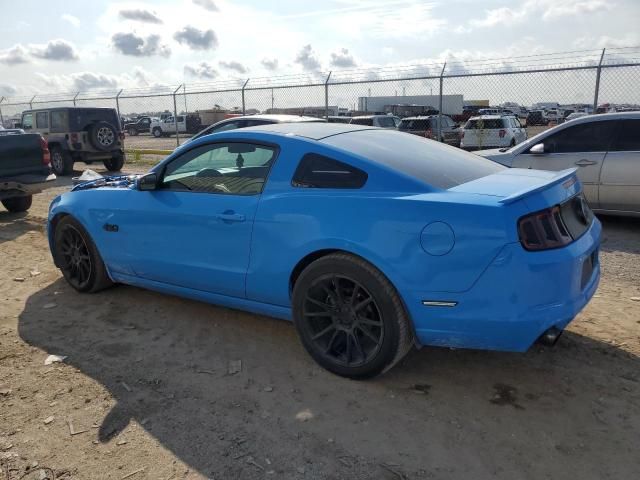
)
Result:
{"points": [[538, 188]]}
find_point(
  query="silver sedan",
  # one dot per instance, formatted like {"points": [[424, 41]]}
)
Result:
{"points": [[604, 148]]}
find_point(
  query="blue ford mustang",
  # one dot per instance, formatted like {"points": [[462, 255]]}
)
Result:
{"points": [[370, 240]]}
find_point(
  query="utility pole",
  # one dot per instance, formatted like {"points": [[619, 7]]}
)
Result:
{"points": [[595, 97]]}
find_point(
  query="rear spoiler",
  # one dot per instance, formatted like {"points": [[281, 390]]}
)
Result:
{"points": [[562, 176]]}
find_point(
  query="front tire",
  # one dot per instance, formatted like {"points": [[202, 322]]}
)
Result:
{"points": [[157, 132], [18, 204], [61, 162], [78, 258], [114, 164], [349, 317]]}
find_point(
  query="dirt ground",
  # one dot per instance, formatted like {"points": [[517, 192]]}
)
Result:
{"points": [[146, 390]]}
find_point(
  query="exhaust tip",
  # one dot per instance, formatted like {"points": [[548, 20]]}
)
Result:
{"points": [[550, 337]]}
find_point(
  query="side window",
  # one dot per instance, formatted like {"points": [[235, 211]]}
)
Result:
{"points": [[146, 121], [226, 126], [627, 136], [180, 118], [58, 120], [42, 120], [27, 121], [225, 168], [363, 121], [317, 171], [587, 137], [255, 123]]}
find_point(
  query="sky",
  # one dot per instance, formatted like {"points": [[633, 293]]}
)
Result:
{"points": [[56, 46]]}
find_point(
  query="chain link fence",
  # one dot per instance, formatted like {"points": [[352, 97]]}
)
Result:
{"points": [[581, 81]]}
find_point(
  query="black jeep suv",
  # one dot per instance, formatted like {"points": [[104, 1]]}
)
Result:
{"points": [[78, 135]]}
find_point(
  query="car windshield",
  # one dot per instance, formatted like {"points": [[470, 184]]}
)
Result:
{"points": [[386, 122], [484, 124], [433, 163]]}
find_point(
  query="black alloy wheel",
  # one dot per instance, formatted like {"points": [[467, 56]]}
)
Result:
{"points": [[344, 320]]}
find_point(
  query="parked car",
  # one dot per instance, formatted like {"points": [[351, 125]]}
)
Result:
{"points": [[492, 131], [338, 119], [141, 125], [490, 111], [253, 121], [536, 117], [575, 115], [380, 121], [185, 124], [428, 127], [78, 134], [24, 168], [368, 253], [604, 148]]}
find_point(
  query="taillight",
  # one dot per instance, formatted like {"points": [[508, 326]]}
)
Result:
{"points": [[121, 135], [46, 155], [428, 133], [502, 133], [543, 230], [462, 134], [74, 138]]}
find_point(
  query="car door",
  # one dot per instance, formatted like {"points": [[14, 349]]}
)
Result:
{"points": [[581, 146], [620, 177], [194, 230]]}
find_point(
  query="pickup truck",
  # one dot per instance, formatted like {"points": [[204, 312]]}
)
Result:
{"points": [[185, 123], [25, 168]]}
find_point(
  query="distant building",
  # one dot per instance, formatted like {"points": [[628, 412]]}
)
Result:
{"points": [[333, 110], [451, 104]]}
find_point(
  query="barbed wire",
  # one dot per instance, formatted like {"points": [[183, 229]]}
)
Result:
{"points": [[574, 59]]}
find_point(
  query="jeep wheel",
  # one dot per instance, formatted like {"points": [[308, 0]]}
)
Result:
{"points": [[61, 161], [17, 204], [103, 136], [157, 132], [115, 163]]}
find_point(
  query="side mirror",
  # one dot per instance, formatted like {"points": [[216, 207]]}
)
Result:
{"points": [[148, 182], [537, 149]]}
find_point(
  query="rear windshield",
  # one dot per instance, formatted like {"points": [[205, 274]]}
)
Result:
{"points": [[433, 163], [420, 124], [362, 121], [488, 124], [386, 122]]}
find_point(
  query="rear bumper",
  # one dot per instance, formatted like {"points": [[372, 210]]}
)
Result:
{"points": [[23, 185], [517, 298]]}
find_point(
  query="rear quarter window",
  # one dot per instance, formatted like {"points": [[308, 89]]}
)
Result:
{"points": [[485, 124], [318, 171], [362, 121]]}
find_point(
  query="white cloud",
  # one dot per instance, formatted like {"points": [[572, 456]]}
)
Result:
{"points": [[343, 59], [15, 55], [56, 50], [532, 9], [202, 70], [138, 46], [197, 39], [233, 65], [206, 4], [308, 59], [139, 15], [270, 63], [75, 21]]}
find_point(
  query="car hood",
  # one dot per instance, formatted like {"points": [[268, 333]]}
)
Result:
{"points": [[504, 158]]}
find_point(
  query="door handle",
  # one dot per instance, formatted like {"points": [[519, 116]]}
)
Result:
{"points": [[230, 217], [585, 162]]}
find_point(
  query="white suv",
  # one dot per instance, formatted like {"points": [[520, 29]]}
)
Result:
{"points": [[492, 131]]}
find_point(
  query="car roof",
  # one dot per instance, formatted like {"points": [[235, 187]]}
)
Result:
{"points": [[311, 130], [372, 116], [67, 108], [489, 117], [605, 116]]}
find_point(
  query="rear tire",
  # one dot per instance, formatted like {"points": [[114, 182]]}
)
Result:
{"points": [[114, 164], [18, 204], [61, 161], [349, 317], [78, 258]]}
